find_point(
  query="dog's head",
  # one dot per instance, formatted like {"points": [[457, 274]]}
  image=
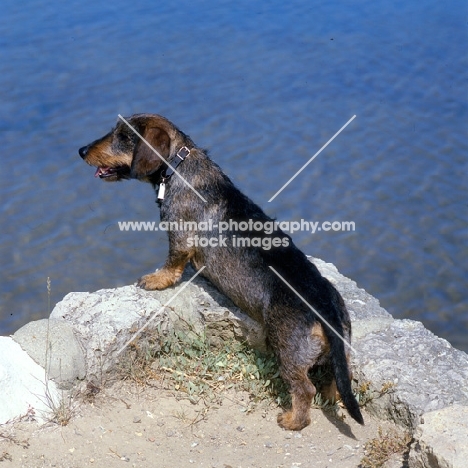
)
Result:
{"points": [[135, 148]]}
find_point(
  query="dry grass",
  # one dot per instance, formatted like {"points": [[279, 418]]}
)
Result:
{"points": [[379, 450], [60, 409], [5, 456]]}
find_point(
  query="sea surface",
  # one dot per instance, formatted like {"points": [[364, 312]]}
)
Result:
{"points": [[263, 86]]}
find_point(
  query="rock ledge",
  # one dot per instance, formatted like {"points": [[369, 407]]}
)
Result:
{"points": [[425, 379]]}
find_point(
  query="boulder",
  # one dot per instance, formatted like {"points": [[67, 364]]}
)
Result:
{"points": [[53, 345], [26, 390], [419, 371], [441, 440]]}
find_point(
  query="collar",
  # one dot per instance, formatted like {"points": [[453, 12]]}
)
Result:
{"points": [[170, 169], [172, 166]]}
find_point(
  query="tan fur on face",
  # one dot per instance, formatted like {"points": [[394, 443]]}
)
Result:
{"points": [[102, 155]]}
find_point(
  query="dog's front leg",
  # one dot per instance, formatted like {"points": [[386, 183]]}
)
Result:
{"points": [[168, 275]]}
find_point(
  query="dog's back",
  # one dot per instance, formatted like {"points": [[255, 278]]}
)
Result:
{"points": [[277, 286]]}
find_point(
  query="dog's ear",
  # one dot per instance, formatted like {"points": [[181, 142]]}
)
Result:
{"points": [[145, 160]]}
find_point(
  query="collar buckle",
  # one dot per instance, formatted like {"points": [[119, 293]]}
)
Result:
{"points": [[172, 166], [183, 153]]}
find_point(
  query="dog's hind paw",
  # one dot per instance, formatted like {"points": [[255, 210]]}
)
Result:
{"points": [[292, 421]]}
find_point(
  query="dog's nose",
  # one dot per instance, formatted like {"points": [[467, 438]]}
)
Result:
{"points": [[83, 151]]}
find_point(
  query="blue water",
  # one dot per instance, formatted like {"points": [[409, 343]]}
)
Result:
{"points": [[263, 86]]}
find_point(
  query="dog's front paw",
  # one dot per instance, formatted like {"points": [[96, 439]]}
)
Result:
{"points": [[162, 279]]}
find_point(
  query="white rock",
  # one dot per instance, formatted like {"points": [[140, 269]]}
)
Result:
{"points": [[23, 384]]}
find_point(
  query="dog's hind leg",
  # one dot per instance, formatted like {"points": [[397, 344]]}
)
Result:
{"points": [[298, 349], [302, 392]]}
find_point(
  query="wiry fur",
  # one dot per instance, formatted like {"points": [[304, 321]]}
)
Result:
{"points": [[295, 333]]}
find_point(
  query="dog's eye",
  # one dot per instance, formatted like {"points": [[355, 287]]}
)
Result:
{"points": [[125, 137]]}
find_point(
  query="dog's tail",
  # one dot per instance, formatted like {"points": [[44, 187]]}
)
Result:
{"points": [[336, 339], [341, 371]]}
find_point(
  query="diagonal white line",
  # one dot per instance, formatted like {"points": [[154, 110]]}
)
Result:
{"points": [[312, 308], [157, 312], [312, 158], [160, 157]]}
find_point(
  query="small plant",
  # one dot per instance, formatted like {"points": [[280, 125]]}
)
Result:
{"points": [[202, 371], [187, 363], [60, 411], [379, 450], [181, 416], [331, 407], [365, 393]]}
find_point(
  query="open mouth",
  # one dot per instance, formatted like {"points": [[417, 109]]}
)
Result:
{"points": [[105, 172]]}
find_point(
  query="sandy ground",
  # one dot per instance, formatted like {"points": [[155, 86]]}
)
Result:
{"points": [[127, 426]]}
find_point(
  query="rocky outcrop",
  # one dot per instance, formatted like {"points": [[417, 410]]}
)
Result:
{"points": [[412, 377], [106, 321], [440, 441]]}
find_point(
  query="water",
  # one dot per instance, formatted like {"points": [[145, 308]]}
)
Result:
{"points": [[264, 87]]}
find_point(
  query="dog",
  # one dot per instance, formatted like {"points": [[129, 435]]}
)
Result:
{"points": [[266, 275]]}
